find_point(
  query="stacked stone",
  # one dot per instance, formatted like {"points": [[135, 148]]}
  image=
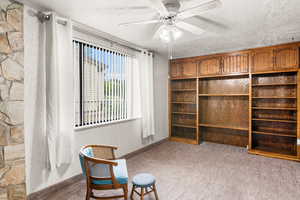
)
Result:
{"points": [[12, 152]]}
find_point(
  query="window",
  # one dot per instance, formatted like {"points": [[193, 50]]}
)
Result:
{"points": [[102, 84]]}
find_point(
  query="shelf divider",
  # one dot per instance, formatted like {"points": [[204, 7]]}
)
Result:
{"points": [[274, 84], [224, 75], [223, 95], [277, 97], [225, 127], [272, 108], [183, 90], [184, 125], [276, 71], [184, 113], [274, 134], [182, 102], [275, 120]]}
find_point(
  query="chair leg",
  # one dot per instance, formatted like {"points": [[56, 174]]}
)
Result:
{"points": [[88, 193], [155, 192], [142, 193], [125, 189], [132, 192]]}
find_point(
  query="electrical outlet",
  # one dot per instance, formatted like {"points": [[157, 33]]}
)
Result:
{"points": [[298, 142]]}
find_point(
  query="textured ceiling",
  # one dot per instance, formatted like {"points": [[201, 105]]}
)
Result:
{"points": [[238, 24]]}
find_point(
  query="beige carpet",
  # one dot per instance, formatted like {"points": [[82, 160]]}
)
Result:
{"points": [[209, 171]]}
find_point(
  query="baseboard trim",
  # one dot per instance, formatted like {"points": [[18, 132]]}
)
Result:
{"points": [[44, 193], [143, 149]]}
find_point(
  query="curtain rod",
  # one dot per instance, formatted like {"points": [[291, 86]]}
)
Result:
{"points": [[46, 17]]}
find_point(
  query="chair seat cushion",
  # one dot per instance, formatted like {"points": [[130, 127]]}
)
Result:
{"points": [[143, 180], [120, 172]]}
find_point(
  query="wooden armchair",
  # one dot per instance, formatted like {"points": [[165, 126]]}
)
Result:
{"points": [[103, 171]]}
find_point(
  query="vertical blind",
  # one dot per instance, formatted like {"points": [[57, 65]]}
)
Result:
{"points": [[102, 80]]}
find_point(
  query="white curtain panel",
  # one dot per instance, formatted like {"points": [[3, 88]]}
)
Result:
{"points": [[51, 93], [145, 60], [59, 87]]}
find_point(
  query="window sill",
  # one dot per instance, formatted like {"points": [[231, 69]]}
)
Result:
{"points": [[105, 124]]}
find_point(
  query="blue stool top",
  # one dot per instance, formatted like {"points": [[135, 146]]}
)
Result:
{"points": [[143, 180]]}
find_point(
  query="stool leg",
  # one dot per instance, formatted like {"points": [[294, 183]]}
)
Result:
{"points": [[142, 193], [155, 192], [132, 192]]}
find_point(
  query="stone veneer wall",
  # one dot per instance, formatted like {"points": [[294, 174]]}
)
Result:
{"points": [[12, 151]]}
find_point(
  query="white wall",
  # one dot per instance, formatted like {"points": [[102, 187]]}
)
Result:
{"points": [[126, 135]]}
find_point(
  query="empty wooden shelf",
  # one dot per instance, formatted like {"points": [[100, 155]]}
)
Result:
{"points": [[184, 125], [184, 113], [275, 120], [183, 78], [184, 90], [226, 127], [270, 97], [183, 102], [223, 95], [276, 71], [274, 84], [273, 108], [274, 134], [224, 75]]}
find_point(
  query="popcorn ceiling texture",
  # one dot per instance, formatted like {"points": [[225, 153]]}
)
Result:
{"points": [[12, 156], [238, 24]]}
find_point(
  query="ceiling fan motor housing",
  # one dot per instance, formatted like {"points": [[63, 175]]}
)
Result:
{"points": [[172, 7]]}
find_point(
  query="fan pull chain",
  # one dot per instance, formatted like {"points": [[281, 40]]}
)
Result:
{"points": [[170, 50]]}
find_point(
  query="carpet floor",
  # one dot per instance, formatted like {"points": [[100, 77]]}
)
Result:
{"points": [[208, 171]]}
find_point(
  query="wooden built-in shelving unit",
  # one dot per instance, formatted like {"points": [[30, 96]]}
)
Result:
{"points": [[248, 98]]}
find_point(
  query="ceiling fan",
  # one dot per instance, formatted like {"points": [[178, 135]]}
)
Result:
{"points": [[171, 17]]}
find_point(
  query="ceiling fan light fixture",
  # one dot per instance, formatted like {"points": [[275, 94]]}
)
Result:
{"points": [[169, 33]]}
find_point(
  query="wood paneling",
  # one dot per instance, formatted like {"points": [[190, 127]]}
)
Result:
{"points": [[262, 60], [210, 66], [235, 63], [189, 69], [275, 144], [223, 111], [183, 70], [286, 57], [176, 70], [231, 85], [225, 136], [183, 132]]}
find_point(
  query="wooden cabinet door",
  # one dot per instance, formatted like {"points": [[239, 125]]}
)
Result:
{"points": [[189, 69], [175, 70], [236, 63], [209, 66], [286, 57], [263, 60]]}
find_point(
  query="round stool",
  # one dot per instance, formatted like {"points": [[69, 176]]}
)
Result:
{"points": [[147, 184]]}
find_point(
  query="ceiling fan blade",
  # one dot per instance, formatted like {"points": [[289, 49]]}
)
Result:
{"points": [[133, 8], [151, 21], [208, 24], [157, 33], [196, 10], [159, 7], [189, 27]]}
